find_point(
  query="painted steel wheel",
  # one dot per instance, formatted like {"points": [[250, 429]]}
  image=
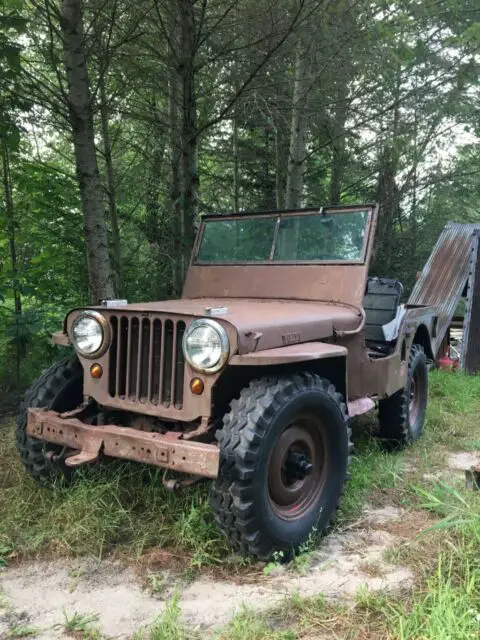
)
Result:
{"points": [[284, 453]]}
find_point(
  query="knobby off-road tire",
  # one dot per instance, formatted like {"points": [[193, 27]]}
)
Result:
{"points": [[275, 428], [60, 387], [402, 416]]}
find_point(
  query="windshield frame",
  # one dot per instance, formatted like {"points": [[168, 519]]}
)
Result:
{"points": [[279, 215]]}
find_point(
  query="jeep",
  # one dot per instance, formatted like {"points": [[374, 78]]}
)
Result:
{"points": [[250, 379]]}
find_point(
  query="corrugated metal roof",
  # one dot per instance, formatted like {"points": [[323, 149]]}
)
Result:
{"points": [[444, 276]]}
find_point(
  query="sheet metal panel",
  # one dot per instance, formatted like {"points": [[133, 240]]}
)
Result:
{"points": [[446, 273], [470, 356]]}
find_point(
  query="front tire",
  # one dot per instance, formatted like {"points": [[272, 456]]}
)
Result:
{"points": [[402, 415], [284, 453], [60, 388]]}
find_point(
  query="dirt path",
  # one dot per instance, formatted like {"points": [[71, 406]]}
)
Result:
{"points": [[36, 594]]}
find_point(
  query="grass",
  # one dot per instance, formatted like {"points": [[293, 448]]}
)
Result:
{"points": [[123, 507], [21, 632], [168, 626], [444, 603], [80, 626], [116, 507]]}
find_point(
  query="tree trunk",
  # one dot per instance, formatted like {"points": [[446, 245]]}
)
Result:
{"points": [[10, 225], [155, 225], [235, 118], [111, 190], [280, 157], [236, 163], [189, 127], [176, 185], [388, 195], [298, 134], [338, 143], [81, 120]]}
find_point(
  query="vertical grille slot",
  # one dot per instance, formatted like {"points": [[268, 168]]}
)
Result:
{"points": [[180, 367], [166, 392], [146, 360], [122, 357], [112, 370], [156, 359], [133, 364]]}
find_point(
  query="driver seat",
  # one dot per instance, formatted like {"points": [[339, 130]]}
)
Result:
{"points": [[383, 313]]}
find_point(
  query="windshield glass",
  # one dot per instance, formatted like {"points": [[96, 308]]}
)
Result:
{"points": [[315, 237]]}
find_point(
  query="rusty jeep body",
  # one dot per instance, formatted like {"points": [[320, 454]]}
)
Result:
{"points": [[249, 379]]}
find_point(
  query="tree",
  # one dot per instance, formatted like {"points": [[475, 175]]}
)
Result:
{"points": [[83, 135]]}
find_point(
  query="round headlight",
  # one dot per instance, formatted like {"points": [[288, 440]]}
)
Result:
{"points": [[205, 345], [88, 333]]}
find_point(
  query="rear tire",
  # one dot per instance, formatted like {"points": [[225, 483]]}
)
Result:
{"points": [[284, 453], [402, 416], [60, 388]]}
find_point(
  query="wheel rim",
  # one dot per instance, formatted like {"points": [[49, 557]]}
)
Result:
{"points": [[297, 468], [414, 404]]}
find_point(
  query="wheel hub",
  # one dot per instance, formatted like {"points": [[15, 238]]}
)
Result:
{"points": [[296, 468]]}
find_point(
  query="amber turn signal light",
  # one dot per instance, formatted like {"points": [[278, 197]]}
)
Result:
{"points": [[196, 386], [96, 371]]}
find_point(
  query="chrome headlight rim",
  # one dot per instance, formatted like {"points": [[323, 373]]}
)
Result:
{"points": [[106, 334], [224, 342]]}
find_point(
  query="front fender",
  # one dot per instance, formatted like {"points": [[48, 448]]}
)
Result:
{"points": [[304, 352]]}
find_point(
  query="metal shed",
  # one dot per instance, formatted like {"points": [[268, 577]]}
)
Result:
{"points": [[452, 269]]}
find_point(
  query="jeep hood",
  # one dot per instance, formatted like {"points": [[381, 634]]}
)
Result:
{"points": [[262, 324]]}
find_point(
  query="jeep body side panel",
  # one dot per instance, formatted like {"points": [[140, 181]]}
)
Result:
{"points": [[382, 377]]}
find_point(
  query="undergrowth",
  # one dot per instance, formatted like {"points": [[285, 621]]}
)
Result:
{"points": [[122, 506], [444, 603], [117, 507], [125, 507]]}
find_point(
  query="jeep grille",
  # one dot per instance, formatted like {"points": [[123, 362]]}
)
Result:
{"points": [[146, 360]]}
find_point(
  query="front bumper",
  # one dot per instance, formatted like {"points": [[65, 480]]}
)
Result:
{"points": [[168, 451]]}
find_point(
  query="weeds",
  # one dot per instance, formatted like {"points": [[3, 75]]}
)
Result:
{"points": [[123, 506], [79, 624], [168, 626], [372, 468], [248, 625], [21, 632], [116, 506]]}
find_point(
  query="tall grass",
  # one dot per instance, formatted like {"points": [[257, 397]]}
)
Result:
{"points": [[116, 506]]}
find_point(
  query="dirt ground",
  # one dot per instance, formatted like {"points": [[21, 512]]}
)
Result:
{"points": [[37, 593]]}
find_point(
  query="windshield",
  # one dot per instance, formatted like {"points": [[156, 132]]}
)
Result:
{"points": [[315, 237]]}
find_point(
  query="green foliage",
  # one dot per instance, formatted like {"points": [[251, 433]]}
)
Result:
{"points": [[21, 632], [12, 26], [391, 109], [77, 623]]}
